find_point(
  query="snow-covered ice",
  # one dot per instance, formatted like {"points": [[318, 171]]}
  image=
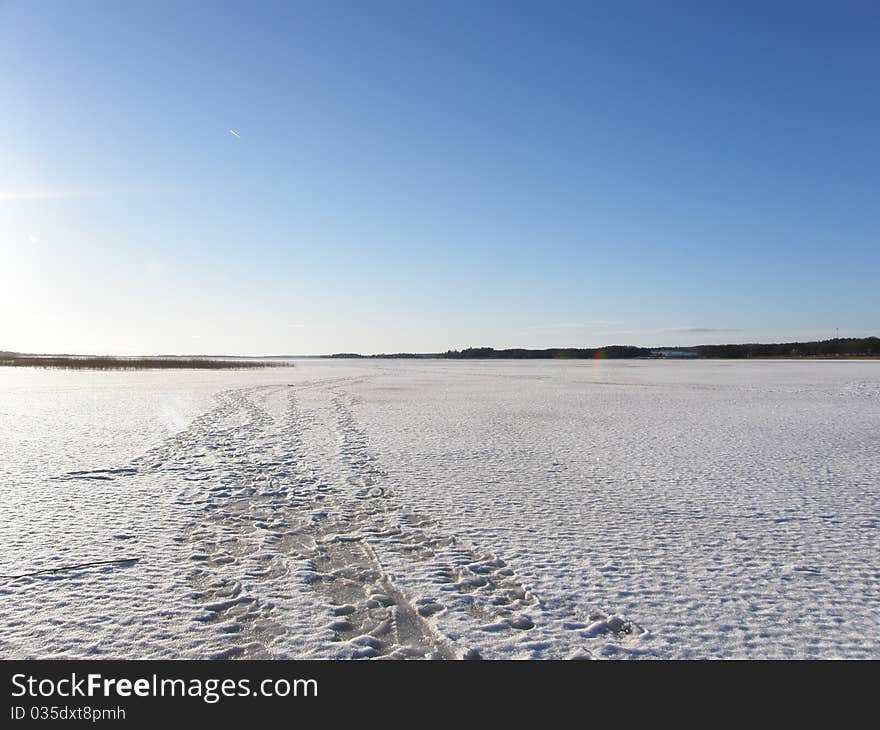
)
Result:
{"points": [[395, 508]]}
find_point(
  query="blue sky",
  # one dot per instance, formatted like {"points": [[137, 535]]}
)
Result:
{"points": [[423, 176]]}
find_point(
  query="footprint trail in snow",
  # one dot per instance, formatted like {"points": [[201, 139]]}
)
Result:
{"points": [[287, 506]]}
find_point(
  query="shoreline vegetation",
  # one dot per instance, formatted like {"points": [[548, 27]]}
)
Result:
{"points": [[841, 347], [76, 362]]}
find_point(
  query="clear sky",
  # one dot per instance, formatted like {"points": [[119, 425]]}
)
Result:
{"points": [[422, 176]]}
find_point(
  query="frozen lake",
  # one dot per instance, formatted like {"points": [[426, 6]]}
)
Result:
{"points": [[507, 509]]}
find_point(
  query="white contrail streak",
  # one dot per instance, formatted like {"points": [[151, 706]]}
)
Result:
{"points": [[234, 133]]}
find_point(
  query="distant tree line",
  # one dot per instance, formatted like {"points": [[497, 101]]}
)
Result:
{"points": [[838, 347]]}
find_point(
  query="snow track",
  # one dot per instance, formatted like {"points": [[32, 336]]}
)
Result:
{"points": [[282, 498], [270, 512]]}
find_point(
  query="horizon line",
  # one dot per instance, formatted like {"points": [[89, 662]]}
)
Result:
{"points": [[438, 352]]}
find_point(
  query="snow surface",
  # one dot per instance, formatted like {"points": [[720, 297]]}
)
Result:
{"points": [[506, 509]]}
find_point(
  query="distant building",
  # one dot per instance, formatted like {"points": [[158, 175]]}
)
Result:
{"points": [[673, 353]]}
